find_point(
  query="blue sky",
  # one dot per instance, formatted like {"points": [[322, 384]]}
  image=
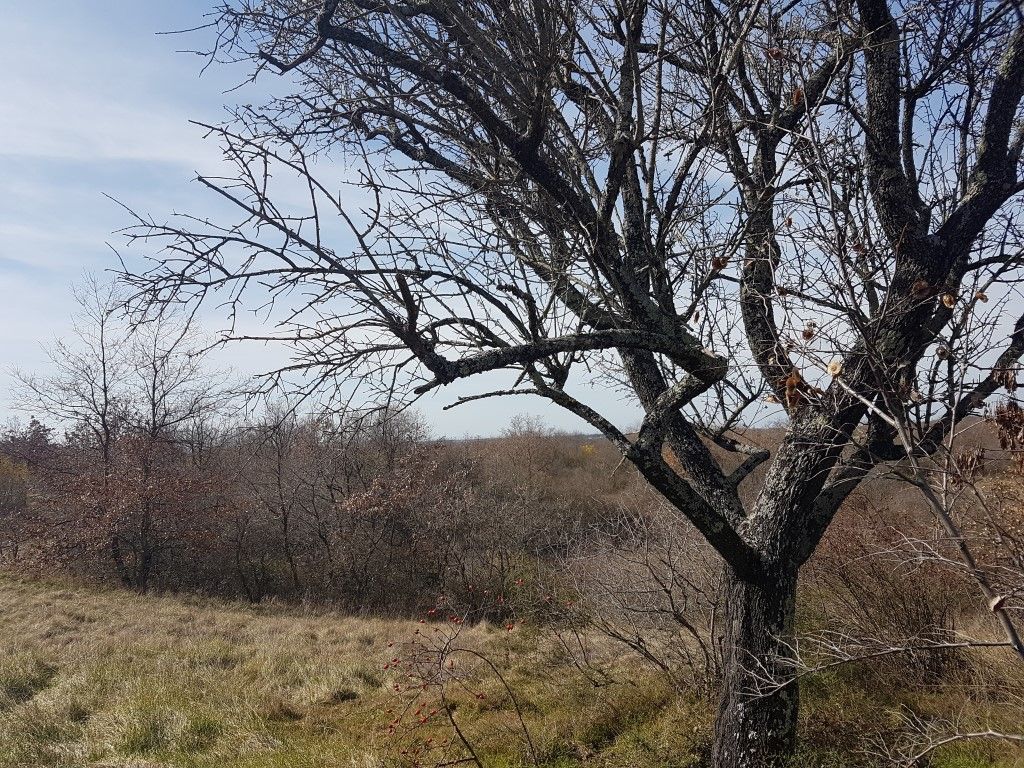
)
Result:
{"points": [[97, 103]]}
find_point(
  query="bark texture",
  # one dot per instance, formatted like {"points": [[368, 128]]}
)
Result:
{"points": [[755, 726]]}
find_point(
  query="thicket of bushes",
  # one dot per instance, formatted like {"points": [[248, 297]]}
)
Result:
{"points": [[365, 512], [370, 514]]}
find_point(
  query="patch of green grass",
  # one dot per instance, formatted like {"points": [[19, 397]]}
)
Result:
{"points": [[200, 733], [976, 754], [148, 731]]}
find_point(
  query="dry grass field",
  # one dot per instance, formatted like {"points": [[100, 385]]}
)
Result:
{"points": [[107, 678], [92, 677]]}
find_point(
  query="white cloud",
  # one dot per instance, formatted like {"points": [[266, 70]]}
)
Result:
{"points": [[93, 92], [76, 126]]}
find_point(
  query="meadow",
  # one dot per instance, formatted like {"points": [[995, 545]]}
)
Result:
{"points": [[107, 678]]}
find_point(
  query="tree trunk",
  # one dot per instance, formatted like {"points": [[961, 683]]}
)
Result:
{"points": [[756, 727], [119, 564]]}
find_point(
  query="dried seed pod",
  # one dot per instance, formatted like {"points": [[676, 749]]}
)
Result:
{"points": [[1006, 378], [835, 368], [981, 296], [948, 300], [970, 465], [794, 385]]}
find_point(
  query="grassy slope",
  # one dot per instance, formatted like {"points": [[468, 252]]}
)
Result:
{"points": [[106, 678]]}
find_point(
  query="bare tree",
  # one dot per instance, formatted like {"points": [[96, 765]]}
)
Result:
{"points": [[278, 480], [704, 202], [82, 391], [125, 394], [166, 390], [88, 368]]}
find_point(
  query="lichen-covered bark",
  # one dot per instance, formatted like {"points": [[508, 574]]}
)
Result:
{"points": [[756, 725]]}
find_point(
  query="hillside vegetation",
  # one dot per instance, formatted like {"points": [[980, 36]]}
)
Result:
{"points": [[375, 598], [92, 677], [107, 678]]}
